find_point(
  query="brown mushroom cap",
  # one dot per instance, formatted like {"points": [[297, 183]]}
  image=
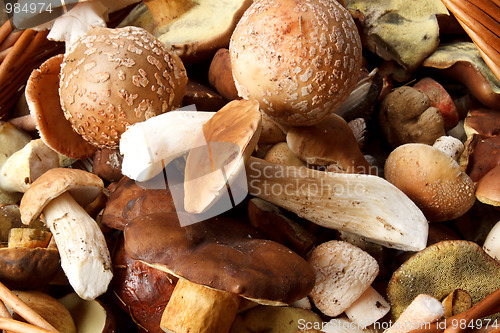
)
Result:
{"points": [[482, 153], [112, 78], [440, 269], [299, 60], [28, 268], [488, 188], [83, 186], [482, 121], [432, 179], [129, 200], [222, 254], [42, 96]]}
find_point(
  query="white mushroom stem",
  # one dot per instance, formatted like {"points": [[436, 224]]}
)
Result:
{"points": [[196, 308], [148, 147], [365, 205], [368, 308], [450, 145], [85, 257], [424, 309], [492, 243]]}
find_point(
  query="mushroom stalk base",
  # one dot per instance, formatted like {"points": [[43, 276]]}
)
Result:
{"points": [[195, 308], [165, 11], [84, 253]]}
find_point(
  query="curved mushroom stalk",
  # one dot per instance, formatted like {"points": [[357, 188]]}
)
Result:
{"points": [[196, 308], [84, 254], [60, 194], [362, 204]]}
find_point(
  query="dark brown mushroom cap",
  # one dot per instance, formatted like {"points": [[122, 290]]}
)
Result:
{"points": [[223, 254], [129, 200], [483, 121], [440, 269], [482, 153], [28, 268]]}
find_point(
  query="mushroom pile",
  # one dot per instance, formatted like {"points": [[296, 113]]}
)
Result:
{"points": [[254, 166]]}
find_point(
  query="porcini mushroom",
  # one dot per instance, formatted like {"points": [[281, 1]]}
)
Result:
{"points": [[306, 55], [59, 194], [195, 29], [330, 143], [406, 116], [343, 273], [432, 179], [216, 260], [112, 78]]}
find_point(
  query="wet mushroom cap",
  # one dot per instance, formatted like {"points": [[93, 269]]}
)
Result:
{"points": [[299, 59], [222, 254], [28, 268], [432, 179], [112, 78]]}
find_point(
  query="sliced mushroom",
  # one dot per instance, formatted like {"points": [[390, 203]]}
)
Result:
{"points": [[362, 204], [59, 194], [343, 273], [219, 154], [424, 309], [368, 308]]}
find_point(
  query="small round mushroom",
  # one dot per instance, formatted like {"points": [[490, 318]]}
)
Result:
{"points": [[60, 194], [432, 179], [222, 254], [107, 164], [406, 116], [112, 78], [299, 60], [220, 75]]}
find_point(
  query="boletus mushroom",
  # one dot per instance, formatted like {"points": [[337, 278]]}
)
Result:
{"points": [[307, 56], [60, 194], [112, 78], [216, 260]]}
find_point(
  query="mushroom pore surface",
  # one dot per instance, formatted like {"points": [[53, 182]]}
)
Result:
{"points": [[299, 59], [112, 78]]}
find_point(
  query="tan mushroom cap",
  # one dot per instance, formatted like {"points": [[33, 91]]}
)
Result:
{"points": [[329, 142], [442, 268], [83, 186], [28, 268], [488, 187], [299, 60], [112, 78], [432, 179], [42, 96], [219, 153]]}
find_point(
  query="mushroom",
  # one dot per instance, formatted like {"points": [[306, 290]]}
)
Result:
{"points": [[112, 78], [129, 199], [149, 146], [26, 165], [218, 155], [59, 194], [488, 188], [306, 55], [280, 153], [107, 164], [439, 270], [422, 310], [141, 290], [216, 260], [220, 75], [343, 273], [432, 179], [200, 95], [458, 301], [362, 204], [406, 116], [195, 29], [368, 308], [330, 143], [492, 243], [49, 308], [277, 319]]}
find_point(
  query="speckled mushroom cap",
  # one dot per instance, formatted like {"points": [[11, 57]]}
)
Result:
{"points": [[431, 179], [299, 59], [220, 253], [112, 78]]}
